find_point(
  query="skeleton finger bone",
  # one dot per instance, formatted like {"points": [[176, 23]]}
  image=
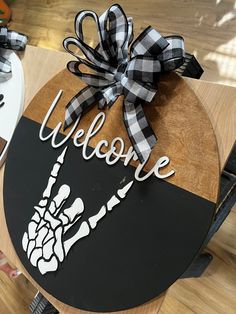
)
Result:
{"points": [[58, 247], [41, 224], [36, 217], [49, 236], [25, 241], [43, 203], [59, 199], [32, 227], [48, 249], [113, 201], [76, 208], [47, 192], [62, 195], [35, 256], [54, 222], [94, 219], [52, 179], [72, 214], [84, 229], [122, 192], [31, 246], [40, 210], [42, 233]]}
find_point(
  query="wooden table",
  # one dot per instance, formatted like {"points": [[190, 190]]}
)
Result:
{"points": [[208, 27], [40, 65]]}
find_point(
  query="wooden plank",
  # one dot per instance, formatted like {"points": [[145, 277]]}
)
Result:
{"points": [[220, 104], [208, 27], [15, 295]]}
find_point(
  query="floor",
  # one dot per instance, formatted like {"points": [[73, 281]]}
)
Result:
{"points": [[209, 29], [215, 291], [15, 295], [208, 26]]}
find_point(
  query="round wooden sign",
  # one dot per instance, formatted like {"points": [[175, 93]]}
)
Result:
{"points": [[97, 231]]}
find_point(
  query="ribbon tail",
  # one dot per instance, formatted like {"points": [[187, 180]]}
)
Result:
{"points": [[140, 132], [190, 67], [79, 103]]}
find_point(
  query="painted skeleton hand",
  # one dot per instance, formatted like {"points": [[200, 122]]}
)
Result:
{"points": [[43, 241]]}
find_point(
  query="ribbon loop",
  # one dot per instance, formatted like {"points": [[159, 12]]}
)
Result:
{"points": [[9, 40], [91, 54], [99, 79], [79, 30], [173, 56], [114, 73], [116, 34], [148, 43]]}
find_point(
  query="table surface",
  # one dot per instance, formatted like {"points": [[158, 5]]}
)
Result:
{"points": [[40, 65], [207, 26]]}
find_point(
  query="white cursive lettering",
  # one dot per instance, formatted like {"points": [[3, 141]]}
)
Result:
{"points": [[116, 149]]}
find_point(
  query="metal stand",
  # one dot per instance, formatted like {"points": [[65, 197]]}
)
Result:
{"points": [[41, 305]]}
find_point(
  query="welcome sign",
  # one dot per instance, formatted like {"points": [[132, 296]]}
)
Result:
{"points": [[92, 225], [103, 215]]}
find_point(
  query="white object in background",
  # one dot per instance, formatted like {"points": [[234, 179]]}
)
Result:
{"points": [[13, 91]]}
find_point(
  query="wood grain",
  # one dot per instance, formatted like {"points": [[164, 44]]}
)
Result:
{"points": [[184, 131], [218, 100], [40, 65], [215, 291], [220, 104], [15, 295], [2, 144], [208, 26]]}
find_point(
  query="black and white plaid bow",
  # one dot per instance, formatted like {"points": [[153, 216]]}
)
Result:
{"points": [[115, 72], [9, 40]]}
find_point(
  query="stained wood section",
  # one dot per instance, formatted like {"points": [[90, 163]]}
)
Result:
{"points": [[2, 144], [151, 307], [218, 100], [184, 131], [220, 104]]}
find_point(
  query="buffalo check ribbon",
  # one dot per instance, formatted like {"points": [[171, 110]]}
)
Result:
{"points": [[9, 40], [114, 71]]}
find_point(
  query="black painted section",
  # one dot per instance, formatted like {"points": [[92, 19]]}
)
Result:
{"points": [[136, 252]]}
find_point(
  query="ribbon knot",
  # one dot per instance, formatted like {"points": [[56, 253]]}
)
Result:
{"points": [[113, 71], [120, 71]]}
